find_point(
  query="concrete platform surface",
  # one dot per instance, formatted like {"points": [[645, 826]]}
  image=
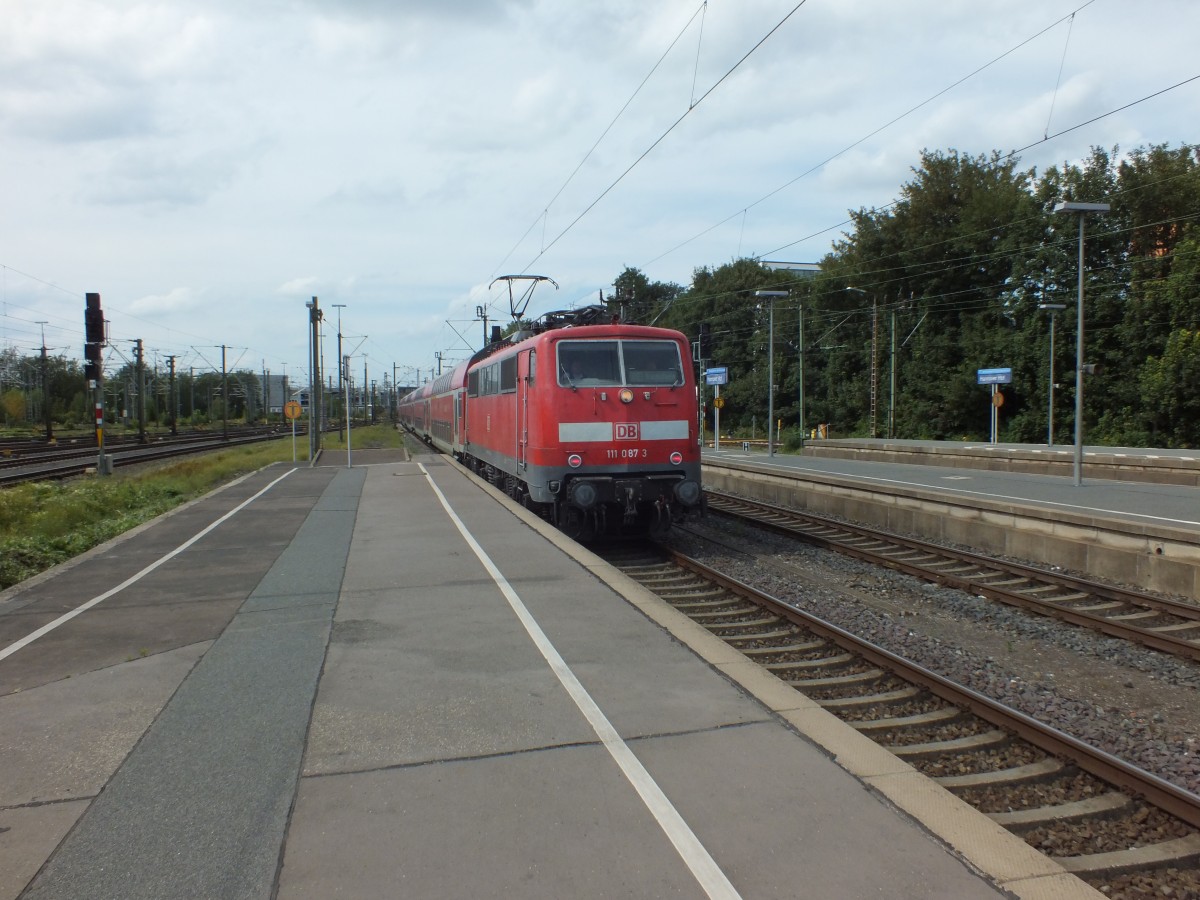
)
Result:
{"points": [[425, 692]]}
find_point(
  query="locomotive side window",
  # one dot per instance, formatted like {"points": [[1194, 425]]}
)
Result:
{"points": [[489, 382], [652, 363], [508, 375], [473, 384], [532, 367]]}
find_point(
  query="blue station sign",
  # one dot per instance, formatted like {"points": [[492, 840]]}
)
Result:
{"points": [[993, 376], [718, 375]]}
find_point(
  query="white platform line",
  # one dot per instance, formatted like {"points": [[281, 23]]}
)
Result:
{"points": [[703, 867], [133, 579]]}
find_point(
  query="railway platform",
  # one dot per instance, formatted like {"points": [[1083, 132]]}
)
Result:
{"points": [[1140, 533], [386, 681]]}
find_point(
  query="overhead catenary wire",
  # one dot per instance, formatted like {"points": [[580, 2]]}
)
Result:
{"points": [[879, 130], [1061, 65], [544, 215], [664, 135]]}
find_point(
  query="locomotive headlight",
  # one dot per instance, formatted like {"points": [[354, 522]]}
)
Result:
{"points": [[626, 395], [574, 460], [583, 494], [688, 492], [676, 458]]}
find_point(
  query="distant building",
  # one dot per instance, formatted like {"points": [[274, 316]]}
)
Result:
{"points": [[808, 270], [282, 388]]}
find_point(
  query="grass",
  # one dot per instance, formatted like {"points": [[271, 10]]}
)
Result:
{"points": [[45, 523], [368, 437]]}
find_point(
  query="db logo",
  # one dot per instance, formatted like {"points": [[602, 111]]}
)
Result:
{"points": [[627, 431]]}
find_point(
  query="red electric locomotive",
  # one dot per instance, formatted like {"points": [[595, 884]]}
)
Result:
{"points": [[593, 425]]}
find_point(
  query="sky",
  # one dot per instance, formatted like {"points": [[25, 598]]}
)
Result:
{"points": [[210, 167]]}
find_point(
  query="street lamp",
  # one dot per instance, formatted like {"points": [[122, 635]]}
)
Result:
{"points": [[1053, 308], [340, 307], [873, 375], [314, 377], [1081, 210], [772, 296]]}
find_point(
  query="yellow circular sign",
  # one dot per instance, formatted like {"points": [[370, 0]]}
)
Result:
{"points": [[292, 409], [719, 402], [997, 399]]}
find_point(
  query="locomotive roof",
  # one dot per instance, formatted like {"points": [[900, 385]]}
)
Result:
{"points": [[457, 377], [592, 330]]}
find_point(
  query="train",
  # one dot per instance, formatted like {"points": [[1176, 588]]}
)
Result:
{"points": [[587, 420]]}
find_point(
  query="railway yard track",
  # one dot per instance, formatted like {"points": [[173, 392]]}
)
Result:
{"points": [[1164, 624], [1127, 831], [30, 461]]}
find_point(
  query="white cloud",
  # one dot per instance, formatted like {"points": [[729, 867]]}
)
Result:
{"points": [[174, 302], [396, 156]]}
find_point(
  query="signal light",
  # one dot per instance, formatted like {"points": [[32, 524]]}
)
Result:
{"points": [[93, 323], [93, 320]]}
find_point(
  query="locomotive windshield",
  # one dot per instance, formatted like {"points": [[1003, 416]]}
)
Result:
{"points": [[619, 363]]}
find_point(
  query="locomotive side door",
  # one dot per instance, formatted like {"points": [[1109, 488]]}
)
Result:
{"points": [[456, 438], [526, 373]]}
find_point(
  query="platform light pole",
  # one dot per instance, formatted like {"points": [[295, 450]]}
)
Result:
{"points": [[871, 376], [339, 307], [314, 378], [1081, 210], [800, 372], [344, 367], [772, 296], [1053, 309]]}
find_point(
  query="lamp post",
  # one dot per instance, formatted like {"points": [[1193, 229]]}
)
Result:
{"points": [[314, 378], [772, 296], [340, 307], [800, 372], [871, 376], [1053, 308], [1081, 210]]}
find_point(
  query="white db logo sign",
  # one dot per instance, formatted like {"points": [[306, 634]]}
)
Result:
{"points": [[627, 431]]}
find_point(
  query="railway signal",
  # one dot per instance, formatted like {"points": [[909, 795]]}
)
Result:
{"points": [[93, 368]]}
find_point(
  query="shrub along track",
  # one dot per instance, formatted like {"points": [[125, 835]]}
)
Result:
{"points": [[1124, 830]]}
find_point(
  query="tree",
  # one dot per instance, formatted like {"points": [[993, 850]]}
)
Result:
{"points": [[1170, 390], [940, 260], [12, 402], [638, 299]]}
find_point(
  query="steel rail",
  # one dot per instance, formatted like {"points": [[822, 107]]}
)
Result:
{"points": [[127, 456], [1172, 799], [977, 582]]}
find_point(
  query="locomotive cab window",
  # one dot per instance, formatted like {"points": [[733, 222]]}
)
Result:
{"points": [[589, 363], [615, 363], [651, 363]]}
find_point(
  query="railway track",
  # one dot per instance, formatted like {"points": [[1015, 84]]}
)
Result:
{"points": [[1169, 626], [1124, 830], [70, 461]]}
